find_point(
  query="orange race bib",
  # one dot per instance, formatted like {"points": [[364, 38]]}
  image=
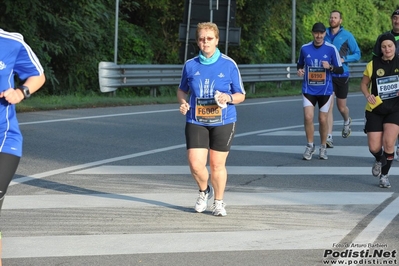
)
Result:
{"points": [[316, 76], [207, 111]]}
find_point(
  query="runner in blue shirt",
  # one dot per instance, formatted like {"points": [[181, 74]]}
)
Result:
{"points": [[210, 88], [317, 61], [16, 58]]}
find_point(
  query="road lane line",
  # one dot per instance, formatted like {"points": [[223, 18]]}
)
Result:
{"points": [[379, 223], [316, 133], [232, 170], [100, 245], [180, 199], [93, 117], [87, 165]]}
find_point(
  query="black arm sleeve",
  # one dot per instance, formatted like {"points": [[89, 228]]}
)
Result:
{"points": [[298, 66]]}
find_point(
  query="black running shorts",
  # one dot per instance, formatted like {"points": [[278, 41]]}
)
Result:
{"points": [[341, 87], [216, 138], [375, 122]]}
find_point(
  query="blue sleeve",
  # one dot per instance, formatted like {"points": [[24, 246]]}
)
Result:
{"points": [[301, 62], [354, 49], [184, 80], [27, 64], [236, 81]]}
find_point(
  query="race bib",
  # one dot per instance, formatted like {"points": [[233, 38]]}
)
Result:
{"points": [[207, 111], [316, 76], [388, 87]]}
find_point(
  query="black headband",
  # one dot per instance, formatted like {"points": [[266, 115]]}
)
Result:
{"points": [[387, 36]]}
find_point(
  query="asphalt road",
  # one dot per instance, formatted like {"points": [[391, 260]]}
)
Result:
{"points": [[111, 186]]}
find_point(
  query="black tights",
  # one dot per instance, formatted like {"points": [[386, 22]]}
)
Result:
{"points": [[8, 167]]}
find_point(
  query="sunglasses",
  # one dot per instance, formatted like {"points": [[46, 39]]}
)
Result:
{"points": [[206, 38]]}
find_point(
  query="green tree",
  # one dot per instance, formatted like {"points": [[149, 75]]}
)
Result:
{"points": [[160, 21], [355, 17], [72, 36], [66, 36]]}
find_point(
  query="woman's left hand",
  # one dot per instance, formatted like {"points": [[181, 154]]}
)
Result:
{"points": [[224, 98]]}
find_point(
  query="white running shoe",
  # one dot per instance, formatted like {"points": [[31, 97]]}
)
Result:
{"points": [[202, 200], [307, 155], [384, 182], [346, 131], [330, 143], [323, 152], [218, 208]]}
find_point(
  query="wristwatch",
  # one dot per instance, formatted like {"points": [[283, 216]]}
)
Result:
{"points": [[25, 91]]}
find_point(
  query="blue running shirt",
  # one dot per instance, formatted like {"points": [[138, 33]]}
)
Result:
{"points": [[201, 83], [317, 80], [16, 57]]}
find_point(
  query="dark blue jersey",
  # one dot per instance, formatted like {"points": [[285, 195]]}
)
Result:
{"points": [[318, 80]]}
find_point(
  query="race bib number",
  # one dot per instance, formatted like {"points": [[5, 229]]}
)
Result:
{"points": [[207, 111], [316, 76], [388, 87]]}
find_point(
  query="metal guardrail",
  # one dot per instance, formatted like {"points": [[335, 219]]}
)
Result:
{"points": [[113, 76]]}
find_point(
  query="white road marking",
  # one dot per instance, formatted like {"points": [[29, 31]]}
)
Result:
{"points": [[86, 165], [99, 245], [181, 199], [372, 231], [349, 151], [94, 117], [316, 134], [382, 220], [232, 170]]}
